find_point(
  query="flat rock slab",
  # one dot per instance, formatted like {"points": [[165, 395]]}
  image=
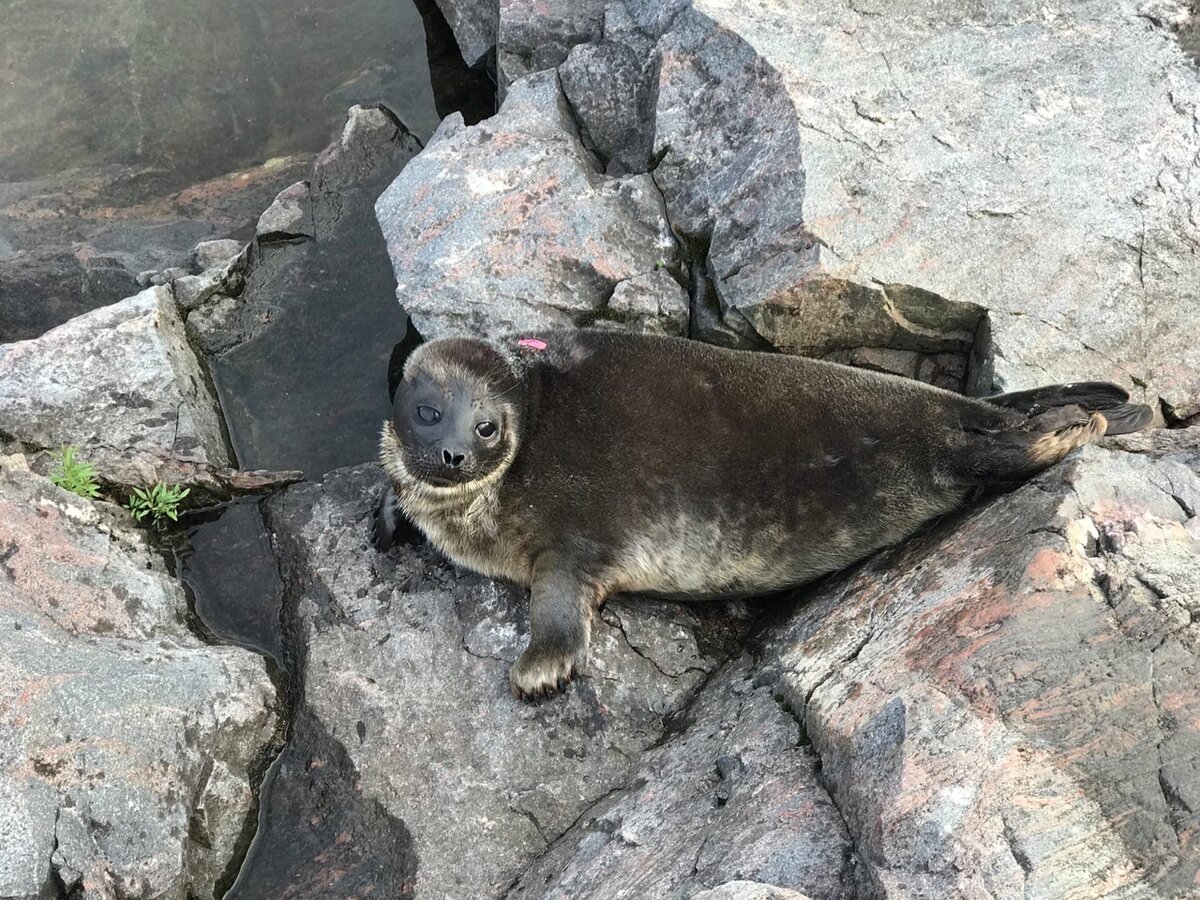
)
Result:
{"points": [[127, 747], [1007, 706], [507, 225], [120, 382], [407, 668]]}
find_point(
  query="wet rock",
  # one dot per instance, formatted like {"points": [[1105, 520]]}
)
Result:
{"points": [[407, 668], [121, 383], [318, 836], [201, 97], [507, 225], [88, 238], [289, 308], [128, 748], [214, 254], [735, 794], [748, 890], [1007, 704]]}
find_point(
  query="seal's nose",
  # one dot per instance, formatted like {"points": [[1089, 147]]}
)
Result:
{"points": [[453, 458]]}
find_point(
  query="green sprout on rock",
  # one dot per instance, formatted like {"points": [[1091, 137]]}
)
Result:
{"points": [[75, 476], [159, 502]]}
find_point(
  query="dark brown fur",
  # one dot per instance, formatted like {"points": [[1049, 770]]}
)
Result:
{"points": [[665, 466]]}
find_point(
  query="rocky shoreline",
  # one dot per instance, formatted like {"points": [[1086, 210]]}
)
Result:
{"points": [[1004, 706]]}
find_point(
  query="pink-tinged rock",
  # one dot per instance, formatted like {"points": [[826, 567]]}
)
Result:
{"points": [[1007, 706], [507, 224], [128, 748], [122, 384]]}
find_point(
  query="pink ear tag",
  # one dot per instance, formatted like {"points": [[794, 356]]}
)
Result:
{"points": [[532, 344]]}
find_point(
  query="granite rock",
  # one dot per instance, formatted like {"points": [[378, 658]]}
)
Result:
{"points": [[508, 225], [407, 667], [128, 749], [122, 384], [832, 148], [1006, 706]]}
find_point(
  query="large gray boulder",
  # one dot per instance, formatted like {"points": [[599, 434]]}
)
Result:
{"points": [[508, 225], [407, 667], [122, 383], [1040, 165], [819, 159], [128, 749], [1007, 706]]}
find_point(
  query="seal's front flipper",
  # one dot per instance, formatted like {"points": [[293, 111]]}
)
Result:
{"points": [[560, 624], [390, 525]]}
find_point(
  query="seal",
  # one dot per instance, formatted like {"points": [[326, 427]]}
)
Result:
{"points": [[587, 463]]}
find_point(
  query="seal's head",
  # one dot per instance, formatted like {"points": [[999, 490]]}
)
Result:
{"points": [[456, 417]]}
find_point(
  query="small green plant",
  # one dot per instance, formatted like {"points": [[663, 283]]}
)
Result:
{"points": [[159, 502], [75, 476]]}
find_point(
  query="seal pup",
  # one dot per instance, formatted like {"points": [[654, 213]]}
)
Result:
{"points": [[587, 463]]}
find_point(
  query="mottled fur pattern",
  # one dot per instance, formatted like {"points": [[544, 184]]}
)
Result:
{"points": [[669, 467]]}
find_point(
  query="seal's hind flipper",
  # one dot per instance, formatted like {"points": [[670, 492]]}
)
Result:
{"points": [[1064, 429], [1128, 418], [1099, 396], [1093, 396]]}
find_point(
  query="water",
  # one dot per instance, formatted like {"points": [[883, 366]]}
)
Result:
{"points": [[133, 129], [198, 89], [226, 562]]}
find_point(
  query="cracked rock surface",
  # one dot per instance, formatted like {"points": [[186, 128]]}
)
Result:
{"points": [[128, 748], [1007, 706], [1042, 164], [734, 795], [407, 667]]}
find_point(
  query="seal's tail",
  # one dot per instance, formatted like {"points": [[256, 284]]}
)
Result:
{"points": [[1050, 423]]}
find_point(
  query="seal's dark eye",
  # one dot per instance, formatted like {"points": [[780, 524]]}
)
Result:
{"points": [[485, 430], [428, 415]]}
